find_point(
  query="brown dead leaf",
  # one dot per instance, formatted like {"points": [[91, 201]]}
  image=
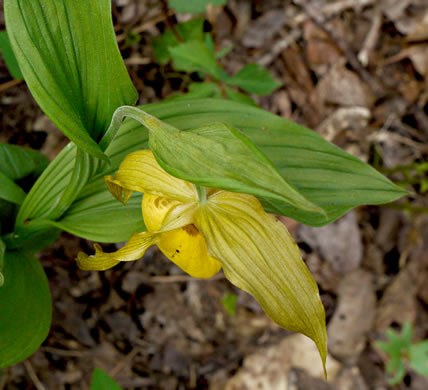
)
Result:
{"points": [[398, 303], [319, 49], [264, 28], [343, 87]]}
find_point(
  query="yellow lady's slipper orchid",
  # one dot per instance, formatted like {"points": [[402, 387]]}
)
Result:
{"points": [[203, 229]]}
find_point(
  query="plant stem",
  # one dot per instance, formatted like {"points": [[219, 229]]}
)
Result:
{"points": [[202, 193]]}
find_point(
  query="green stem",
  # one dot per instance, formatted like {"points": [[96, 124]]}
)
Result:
{"points": [[202, 193], [119, 115]]}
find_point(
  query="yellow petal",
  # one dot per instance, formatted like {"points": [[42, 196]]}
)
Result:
{"points": [[162, 214], [259, 256], [133, 250], [118, 191], [140, 172], [186, 247]]}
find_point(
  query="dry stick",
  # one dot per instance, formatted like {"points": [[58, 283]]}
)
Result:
{"points": [[9, 84], [371, 38], [65, 352], [328, 10], [145, 26], [33, 376], [320, 21], [127, 359]]}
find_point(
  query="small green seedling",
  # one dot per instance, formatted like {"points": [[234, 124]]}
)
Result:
{"points": [[402, 353], [229, 303], [191, 50]]}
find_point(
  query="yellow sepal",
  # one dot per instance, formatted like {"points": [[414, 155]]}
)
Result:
{"points": [[141, 172]]}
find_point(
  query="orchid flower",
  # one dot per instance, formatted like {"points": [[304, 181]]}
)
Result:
{"points": [[203, 230]]}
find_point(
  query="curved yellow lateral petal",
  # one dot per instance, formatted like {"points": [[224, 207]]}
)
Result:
{"points": [[140, 172], [259, 256], [162, 214], [118, 191], [133, 250], [187, 248]]}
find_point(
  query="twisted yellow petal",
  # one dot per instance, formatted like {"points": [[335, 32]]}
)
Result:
{"points": [[187, 248], [259, 256], [133, 250], [118, 191]]}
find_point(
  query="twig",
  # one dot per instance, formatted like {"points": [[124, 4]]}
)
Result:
{"points": [[335, 8], [371, 38], [64, 352], [9, 84], [183, 278], [145, 26], [320, 21], [126, 360], [279, 46], [33, 376], [138, 61]]}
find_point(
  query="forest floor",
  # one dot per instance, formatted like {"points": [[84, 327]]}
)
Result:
{"points": [[355, 71]]}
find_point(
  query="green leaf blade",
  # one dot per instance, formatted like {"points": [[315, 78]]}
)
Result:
{"points": [[25, 308], [70, 60], [96, 215]]}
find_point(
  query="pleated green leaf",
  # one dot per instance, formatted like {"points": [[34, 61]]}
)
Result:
{"points": [[25, 307], [68, 54], [322, 172]]}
